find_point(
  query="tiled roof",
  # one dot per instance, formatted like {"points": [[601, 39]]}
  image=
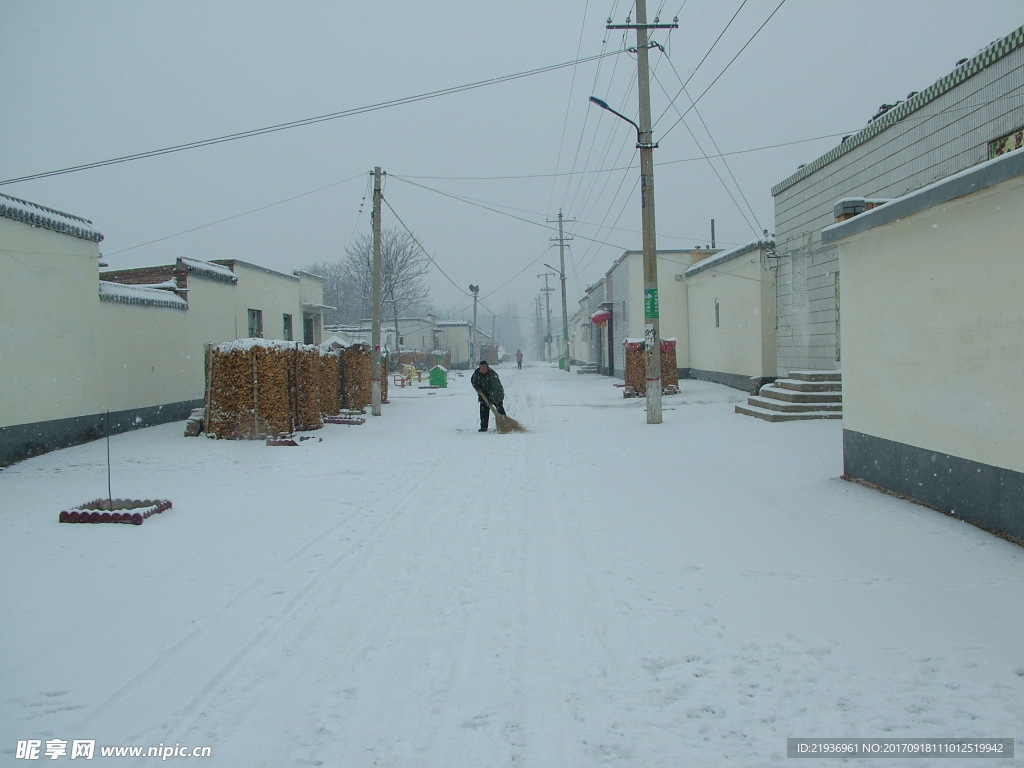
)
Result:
{"points": [[36, 215]]}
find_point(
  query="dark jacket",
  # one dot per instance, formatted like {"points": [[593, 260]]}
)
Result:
{"points": [[489, 384]]}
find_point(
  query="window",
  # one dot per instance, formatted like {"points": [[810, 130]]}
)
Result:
{"points": [[718, 318], [287, 331], [256, 323]]}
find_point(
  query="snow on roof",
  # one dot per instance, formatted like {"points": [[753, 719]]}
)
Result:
{"points": [[140, 294], [333, 343], [719, 258], [208, 269], [36, 215], [969, 180]]}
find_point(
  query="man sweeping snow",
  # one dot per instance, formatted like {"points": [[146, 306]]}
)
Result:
{"points": [[488, 388]]}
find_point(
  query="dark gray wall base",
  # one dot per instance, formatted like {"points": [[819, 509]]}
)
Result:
{"points": [[734, 380], [989, 497], [23, 441]]}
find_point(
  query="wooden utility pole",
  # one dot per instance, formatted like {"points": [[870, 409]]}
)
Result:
{"points": [[646, 145], [375, 344]]}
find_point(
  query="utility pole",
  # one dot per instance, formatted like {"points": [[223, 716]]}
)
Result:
{"points": [[375, 354], [561, 239], [646, 145], [473, 357], [547, 301], [540, 328]]}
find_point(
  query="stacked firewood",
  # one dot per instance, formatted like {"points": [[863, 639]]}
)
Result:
{"points": [[669, 371], [636, 368], [356, 375], [258, 389], [306, 388], [330, 383]]}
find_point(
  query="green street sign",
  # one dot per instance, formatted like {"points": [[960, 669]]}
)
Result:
{"points": [[651, 302]]}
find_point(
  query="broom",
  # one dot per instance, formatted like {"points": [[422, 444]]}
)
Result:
{"points": [[506, 424]]}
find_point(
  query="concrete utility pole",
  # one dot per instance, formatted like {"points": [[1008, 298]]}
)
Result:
{"points": [[561, 239], [375, 360], [473, 357], [540, 328], [547, 302], [646, 145]]}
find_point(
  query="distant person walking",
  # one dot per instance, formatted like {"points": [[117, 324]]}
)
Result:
{"points": [[487, 384], [519, 359]]}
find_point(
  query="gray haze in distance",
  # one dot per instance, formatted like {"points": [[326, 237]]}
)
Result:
{"points": [[86, 82]]}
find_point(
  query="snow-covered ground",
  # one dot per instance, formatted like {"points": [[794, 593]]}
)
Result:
{"points": [[410, 592]]}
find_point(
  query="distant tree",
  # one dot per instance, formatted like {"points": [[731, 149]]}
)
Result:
{"points": [[348, 283], [336, 289], [404, 292]]}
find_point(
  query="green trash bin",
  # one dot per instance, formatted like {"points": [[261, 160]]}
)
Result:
{"points": [[439, 377], [561, 362]]}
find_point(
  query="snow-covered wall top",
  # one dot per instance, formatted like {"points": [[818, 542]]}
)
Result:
{"points": [[720, 258], [208, 269], [47, 218], [141, 294]]}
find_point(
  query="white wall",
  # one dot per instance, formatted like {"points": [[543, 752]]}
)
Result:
{"points": [[274, 293], [66, 358], [48, 305], [933, 328], [743, 342]]}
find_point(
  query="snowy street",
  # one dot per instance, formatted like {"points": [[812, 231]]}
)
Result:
{"points": [[412, 593]]}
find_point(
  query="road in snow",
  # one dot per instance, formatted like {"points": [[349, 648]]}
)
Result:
{"points": [[410, 592]]}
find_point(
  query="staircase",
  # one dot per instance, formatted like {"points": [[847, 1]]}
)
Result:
{"points": [[804, 395]]}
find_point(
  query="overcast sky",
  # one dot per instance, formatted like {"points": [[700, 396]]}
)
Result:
{"points": [[87, 82]]}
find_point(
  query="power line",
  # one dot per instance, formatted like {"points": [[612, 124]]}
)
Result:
{"points": [[699, 63], [310, 120], [726, 69], [494, 210], [415, 240], [235, 216]]}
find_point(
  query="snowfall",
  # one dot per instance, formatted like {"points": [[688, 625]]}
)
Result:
{"points": [[410, 592]]}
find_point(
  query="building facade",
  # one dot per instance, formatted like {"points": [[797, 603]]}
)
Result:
{"points": [[948, 127]]}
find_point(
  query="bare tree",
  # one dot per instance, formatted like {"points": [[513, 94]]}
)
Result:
{"points": [[403, 266], [348, 283], [336, 289]]}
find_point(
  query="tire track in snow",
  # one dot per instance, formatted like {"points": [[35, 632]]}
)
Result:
{"points": [[246, 608]]}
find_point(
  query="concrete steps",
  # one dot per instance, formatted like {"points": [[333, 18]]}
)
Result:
{"points": [[803, 395]]}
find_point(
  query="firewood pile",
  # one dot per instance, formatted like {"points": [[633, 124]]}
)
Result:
{"points": [[306, 387], [636, 368], [356, 377], [669, 369], [258, 388], [330, 383]]}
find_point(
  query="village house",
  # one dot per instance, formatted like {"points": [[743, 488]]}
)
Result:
{"points": [[110, 351]]}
